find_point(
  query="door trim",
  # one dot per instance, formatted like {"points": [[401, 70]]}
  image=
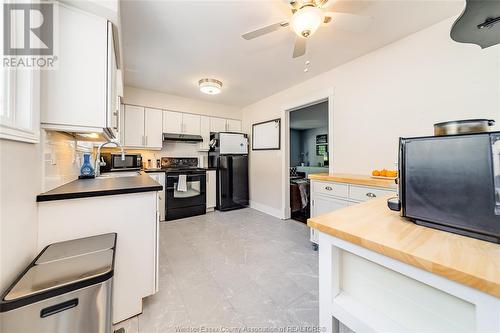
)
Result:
{"points": [[313, 98]]}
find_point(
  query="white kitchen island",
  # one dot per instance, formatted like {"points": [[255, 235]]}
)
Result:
{"points": [[127, 206], [381, 273]]}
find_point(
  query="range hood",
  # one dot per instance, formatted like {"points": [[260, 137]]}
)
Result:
{"points": [[182, 137]]}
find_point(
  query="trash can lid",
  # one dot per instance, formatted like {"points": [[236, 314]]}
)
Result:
{"points": [[76, 247], [55, 278]]}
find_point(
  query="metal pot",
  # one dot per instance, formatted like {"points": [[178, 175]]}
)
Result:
{"points": [[463, 126]]}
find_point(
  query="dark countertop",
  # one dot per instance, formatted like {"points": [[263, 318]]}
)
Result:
{"points": [[153, 170], [84, 188], [162, 170]]}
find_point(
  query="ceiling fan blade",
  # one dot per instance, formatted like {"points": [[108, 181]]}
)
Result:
{"points": [[265, 30], [300, 47], [350, 22], [325, 3]]}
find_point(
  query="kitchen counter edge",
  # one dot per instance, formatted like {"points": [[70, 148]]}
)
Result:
{"points": [[85, 188], [353, 179], [372, 225]]}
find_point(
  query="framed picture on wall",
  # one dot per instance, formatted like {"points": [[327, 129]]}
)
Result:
{"points": [[267, 135], [322, 150], [321, 139]]}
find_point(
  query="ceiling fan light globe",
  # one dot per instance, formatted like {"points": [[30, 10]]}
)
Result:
{"points": [[306, 21]]}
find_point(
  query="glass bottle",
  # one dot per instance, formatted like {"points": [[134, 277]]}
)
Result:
{"points": [[86, 169]]}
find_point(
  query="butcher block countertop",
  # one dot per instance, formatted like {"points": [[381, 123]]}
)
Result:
{"points": [[372, 225], [353, 179]]}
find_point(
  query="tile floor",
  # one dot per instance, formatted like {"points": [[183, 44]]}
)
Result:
{"points": [[235, 269]]}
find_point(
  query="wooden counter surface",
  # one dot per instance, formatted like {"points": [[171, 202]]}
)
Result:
{"points": [[353, 179], [372, 225]]}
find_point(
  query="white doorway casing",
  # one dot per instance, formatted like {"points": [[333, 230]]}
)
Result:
{"points": [[318, 97]]}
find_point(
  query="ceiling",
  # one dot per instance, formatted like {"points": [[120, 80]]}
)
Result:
{"points": [[169, 45], [313, 116]]}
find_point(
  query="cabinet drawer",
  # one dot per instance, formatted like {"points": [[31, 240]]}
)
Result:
{"points": [[361, 193], [335, 189]]}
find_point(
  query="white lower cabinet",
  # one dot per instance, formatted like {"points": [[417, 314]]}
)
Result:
{"points": [[327, 197], [159, 177], [134, 217], [211, 189]]}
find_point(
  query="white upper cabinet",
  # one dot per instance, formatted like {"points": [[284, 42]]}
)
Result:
{"points": [[233, 125], [153, 136], [190, 124], [205, 132], [224, 125], [181, 123], [142, 127], [133, 126], [80, 95], [217, 124], [172, 122]]}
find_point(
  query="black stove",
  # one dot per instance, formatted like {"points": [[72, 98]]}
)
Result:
{"points": [[185, 196], [183, 169]]}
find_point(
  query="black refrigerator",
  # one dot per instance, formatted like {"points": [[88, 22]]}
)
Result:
{"points": [[229, 156]]}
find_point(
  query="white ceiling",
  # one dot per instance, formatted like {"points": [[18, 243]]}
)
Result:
{"points": [[313, 116], [169, 45]]}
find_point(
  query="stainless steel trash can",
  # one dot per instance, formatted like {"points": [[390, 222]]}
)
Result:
{"points": [[65, 289]]}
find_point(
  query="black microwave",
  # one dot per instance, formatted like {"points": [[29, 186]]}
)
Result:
{"points": [[451, 183], [114, 162]]}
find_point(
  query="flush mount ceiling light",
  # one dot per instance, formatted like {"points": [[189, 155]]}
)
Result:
{"points": [[210, 86]]}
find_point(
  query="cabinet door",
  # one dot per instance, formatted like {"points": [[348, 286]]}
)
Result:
{"points": [[75, 93], [134, 126], [233, 125], [112, 88], [172, 122], [160, 178], [205, 132], [153, 128], [217, 124], [322, 205], [190, 124], [211, 189]]}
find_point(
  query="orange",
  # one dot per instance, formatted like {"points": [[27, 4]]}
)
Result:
{"points": [[392, 173], [375, 173], [383, 173]]}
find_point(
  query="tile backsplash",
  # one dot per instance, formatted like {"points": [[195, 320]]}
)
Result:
{"points": [[170, 149], [62, 158]]}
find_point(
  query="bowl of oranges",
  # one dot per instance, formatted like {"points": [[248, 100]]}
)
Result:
{"points": [[385, 174]]}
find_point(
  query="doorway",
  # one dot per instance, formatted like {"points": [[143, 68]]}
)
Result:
{"points": [[308, 153]]}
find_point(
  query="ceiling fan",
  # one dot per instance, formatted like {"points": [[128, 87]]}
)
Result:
{"points": [[307, 16]]}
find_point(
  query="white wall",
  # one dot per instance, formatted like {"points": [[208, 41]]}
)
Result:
{"points": [[20, 182], [401, 89], [160, 100]]}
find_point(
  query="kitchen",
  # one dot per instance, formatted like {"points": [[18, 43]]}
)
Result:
{"points": [[250, 267]]}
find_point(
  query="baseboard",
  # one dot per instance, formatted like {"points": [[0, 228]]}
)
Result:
{"points": [[266, 209]]}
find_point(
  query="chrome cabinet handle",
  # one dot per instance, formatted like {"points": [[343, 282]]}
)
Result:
{"points": [[371, 195], [328, 188]]}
